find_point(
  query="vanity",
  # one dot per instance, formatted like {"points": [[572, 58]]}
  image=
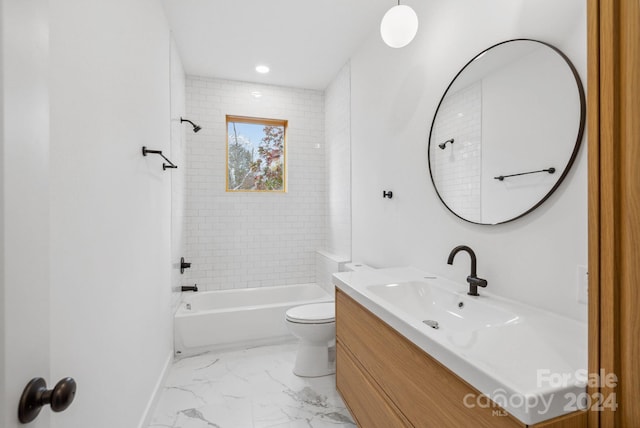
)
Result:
{"points": [[414, 350]]}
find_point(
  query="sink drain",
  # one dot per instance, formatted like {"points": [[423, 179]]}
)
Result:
{"points": [[431, 323]]}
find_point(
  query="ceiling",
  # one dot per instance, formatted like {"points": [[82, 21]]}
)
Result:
{"points": [[305, 43]]}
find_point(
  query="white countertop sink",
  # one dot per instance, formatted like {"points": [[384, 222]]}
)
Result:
{"points": [[451, 311], [530, 361]]}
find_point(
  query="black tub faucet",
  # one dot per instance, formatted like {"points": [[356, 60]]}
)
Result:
{"points": [[193, 288], [473, 280]]}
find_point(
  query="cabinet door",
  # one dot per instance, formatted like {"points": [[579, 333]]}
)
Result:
{"points": [[367, 404]]}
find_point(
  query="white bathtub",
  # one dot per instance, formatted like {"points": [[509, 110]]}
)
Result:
{"points": [[212, 320]]}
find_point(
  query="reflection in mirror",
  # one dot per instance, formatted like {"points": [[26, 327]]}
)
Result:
{"points": [[506, 131]]}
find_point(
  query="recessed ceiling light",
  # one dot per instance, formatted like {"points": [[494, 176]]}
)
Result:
{"points": [[262, 69]]}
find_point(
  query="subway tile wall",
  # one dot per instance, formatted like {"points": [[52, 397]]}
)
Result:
{"points": [[457, 169], [239, 240]]}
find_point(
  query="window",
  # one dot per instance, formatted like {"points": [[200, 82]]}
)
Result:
{"points": [[256, 154]]}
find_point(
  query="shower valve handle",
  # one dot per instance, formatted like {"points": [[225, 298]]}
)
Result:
{"points": [[184, 265]]}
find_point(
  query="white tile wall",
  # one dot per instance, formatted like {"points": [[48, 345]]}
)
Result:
{"points": [[338, 161], [457, 169], [237, 240]]}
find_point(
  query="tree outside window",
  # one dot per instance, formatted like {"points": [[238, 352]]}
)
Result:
{"points": [[256, 154]]}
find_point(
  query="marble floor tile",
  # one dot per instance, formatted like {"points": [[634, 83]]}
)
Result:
{"points": [[249, 388]]}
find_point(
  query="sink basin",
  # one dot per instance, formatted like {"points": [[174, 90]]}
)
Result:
{"points": [[444, 309]]}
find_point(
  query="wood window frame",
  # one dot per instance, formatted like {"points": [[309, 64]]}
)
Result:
{"points": [[257, 121]]}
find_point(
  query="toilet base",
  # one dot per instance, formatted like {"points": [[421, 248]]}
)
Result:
{"points": [[314, 360]]}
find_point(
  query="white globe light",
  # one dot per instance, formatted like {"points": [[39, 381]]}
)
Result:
{"points": [[399, 26]]}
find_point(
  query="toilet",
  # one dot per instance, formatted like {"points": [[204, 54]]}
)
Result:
{"points": [[315, 327]]}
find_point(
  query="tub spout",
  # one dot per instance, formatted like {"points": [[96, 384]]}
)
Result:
{"points": [[193, 288]]}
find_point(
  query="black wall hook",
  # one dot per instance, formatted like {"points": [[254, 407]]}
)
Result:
{"points": [[387, 194], [159, 152]]}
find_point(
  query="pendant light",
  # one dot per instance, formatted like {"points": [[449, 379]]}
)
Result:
{"points": [[399, 26]]}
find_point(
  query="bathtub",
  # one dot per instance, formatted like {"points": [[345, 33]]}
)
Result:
{"points": [[213, 320]]}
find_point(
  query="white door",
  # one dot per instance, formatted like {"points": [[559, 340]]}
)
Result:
{"points": [[24, 205]]}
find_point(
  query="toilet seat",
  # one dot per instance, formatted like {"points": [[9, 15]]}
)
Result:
{"points": [[316, 313]]}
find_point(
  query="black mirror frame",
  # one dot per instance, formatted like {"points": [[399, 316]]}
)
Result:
{"points": [[576, 148]]}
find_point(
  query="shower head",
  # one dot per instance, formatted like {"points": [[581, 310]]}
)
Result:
{"points": [[196, 128], [443, 145]]}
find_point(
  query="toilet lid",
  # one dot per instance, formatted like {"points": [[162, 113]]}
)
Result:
{"points": [[316, 313]]}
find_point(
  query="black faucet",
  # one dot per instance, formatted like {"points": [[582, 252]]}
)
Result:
{"points": [[473, 280], [193, 288]]}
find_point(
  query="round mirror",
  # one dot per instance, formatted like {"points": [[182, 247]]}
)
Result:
{"points": [[506, 131]]}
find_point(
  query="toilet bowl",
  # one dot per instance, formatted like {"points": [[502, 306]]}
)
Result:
{"points": [[315, 327]]}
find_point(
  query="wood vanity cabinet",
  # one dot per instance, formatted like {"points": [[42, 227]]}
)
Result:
{"points": [[387, 381]]}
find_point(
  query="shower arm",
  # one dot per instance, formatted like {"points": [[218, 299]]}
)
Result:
{"points": [[159, 152], [196, 128], [187, 120]]}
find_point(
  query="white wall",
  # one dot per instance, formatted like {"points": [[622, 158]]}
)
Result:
{"points": [[394, 94], [110, 207], [237, 239], [337, 131]]}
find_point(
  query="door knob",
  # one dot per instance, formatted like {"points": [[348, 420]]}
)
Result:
{"points": [[36, 395]]}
